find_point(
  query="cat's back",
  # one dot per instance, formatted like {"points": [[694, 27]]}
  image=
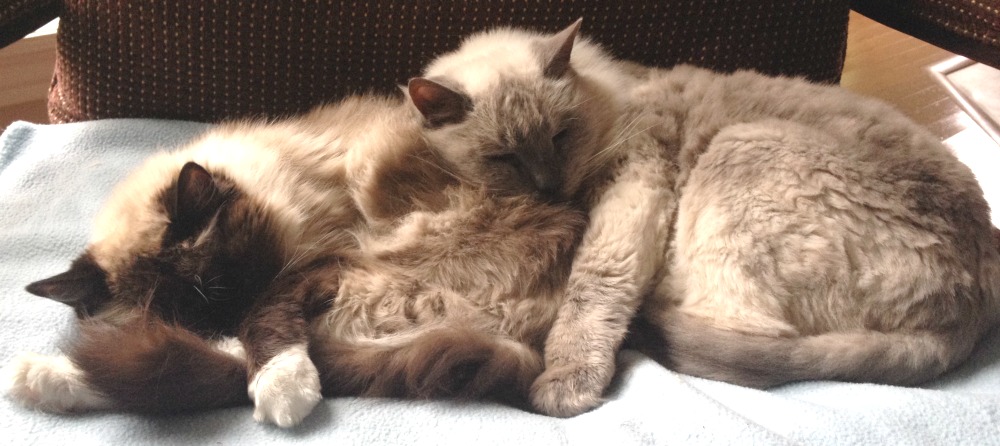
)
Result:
{"points": [[302, 167], [696, 104], [867, 142], [808, 181], [133, 218]]}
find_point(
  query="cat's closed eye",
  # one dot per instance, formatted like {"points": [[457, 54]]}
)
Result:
{"points": [[560, 137], [510, 159]]}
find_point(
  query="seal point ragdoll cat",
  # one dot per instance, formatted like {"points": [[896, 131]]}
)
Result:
{"points": [[406, 273], [339, 248]]}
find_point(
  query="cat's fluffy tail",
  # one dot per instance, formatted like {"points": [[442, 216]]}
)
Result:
{"points": [[688, 345], [150, 366], [441, 362]]}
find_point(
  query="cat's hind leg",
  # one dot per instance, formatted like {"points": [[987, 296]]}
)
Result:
{"points": [[429, 362], [51, 383], [143, 366], [150, 366]]}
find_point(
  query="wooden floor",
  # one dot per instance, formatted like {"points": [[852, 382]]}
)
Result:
{"points": [[25, 73], [880, 62], [895, 67]]}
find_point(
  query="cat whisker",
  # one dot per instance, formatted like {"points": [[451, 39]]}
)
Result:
{"points": [[301, 252], [626, 129], [616, 141], [584, 101], [438, 166], [294, 258], [628, 132], [148, 299], [626, 138], [620, 138], [203, 296]]}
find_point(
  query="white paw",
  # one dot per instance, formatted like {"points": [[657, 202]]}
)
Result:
{"points": [[568, 390], [231, 346], [50, 383], [286, 389]]}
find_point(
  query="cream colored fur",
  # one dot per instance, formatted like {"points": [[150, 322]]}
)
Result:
{"points": [[248, 153], [285, 389], [304, 170], [501, 54], [774, 230], [50, 383], [356, 182], [771, 230]]}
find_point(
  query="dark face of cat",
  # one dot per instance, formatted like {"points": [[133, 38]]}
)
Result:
{"points": [[217, 252], [515, 138]]}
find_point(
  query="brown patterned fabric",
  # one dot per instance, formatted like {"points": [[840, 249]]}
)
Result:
{"points": [[208, 60], [967, 27], [19, 18]]}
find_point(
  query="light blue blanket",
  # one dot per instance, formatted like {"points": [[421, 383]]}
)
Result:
{"points": [[53, 178]]}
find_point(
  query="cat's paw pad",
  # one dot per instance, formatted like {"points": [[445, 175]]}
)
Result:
{"points": [[286, 389], [50, 383], [567, 391]]}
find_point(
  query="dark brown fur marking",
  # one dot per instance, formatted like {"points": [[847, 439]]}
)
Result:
{"points": [[158, 368], [278, 320], [442, 363]]}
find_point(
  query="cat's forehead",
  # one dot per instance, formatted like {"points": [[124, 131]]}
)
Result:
{"points": [[527, 98], [486, 59], [131, 221]]}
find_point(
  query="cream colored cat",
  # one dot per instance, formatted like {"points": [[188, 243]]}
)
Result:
{"points": [[777, 230]]}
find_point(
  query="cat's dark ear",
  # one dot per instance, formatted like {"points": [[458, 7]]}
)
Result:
{"points": [[196, 198], [438, 104], [557, 49], [83, 286]]}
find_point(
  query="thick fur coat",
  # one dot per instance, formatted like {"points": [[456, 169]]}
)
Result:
{"points": [[757, 229], [340, 250], [751, 229]]}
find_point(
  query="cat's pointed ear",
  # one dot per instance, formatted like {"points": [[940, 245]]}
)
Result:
{"points": [[557, 49], [196, 197], [82, 286], [438, 104]]}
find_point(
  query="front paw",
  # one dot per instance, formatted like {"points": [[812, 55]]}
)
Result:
{"points": [[286, 389], [569, 390], [50, 383]]}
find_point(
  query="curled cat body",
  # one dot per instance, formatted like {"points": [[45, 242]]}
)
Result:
{"points": [[757, 230], [340, 250], [819, 235]]}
